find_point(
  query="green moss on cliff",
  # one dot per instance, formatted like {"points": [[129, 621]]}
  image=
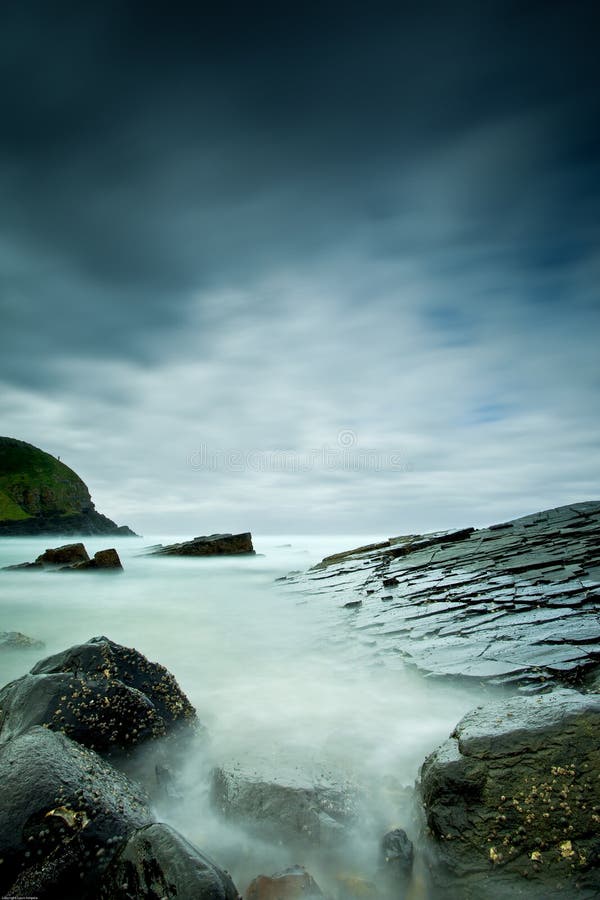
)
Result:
{"points": [[11, 510], [33, 483], [40, 495]]}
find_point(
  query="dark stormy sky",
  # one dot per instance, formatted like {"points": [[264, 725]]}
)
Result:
{"points": [[303, 267]]}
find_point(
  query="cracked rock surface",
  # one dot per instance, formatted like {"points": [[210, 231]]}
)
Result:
{"points": [[514, 604]]}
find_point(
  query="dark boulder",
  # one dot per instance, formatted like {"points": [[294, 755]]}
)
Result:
{"points": [[290, 884], [211, 545], [512, 800], [106, 560], [157, 862], [396, 862], [64, 814], [101, 694]]}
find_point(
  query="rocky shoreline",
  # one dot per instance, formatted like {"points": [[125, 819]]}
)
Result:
{"points": [[509, 806], [93, 739]]}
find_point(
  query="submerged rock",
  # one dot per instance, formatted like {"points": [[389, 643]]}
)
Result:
{"points": [[512, 800], [63, 816], [101, 694], [157, 862], [15, 640], [290, 884], [285, 805], [355, 887], [211, 545]]}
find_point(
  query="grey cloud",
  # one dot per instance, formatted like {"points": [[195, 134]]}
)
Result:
{"points": [[253, 233]]}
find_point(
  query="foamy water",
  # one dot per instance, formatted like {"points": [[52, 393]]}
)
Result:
{"points": [[276, 680]]}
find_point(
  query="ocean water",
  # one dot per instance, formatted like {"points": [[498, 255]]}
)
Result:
{"points": [[281, 682]]}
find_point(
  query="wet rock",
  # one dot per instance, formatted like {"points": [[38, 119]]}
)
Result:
{"points": [[73, 558], [103, 559], [157, 862], [287, 805], [67, 555], [211, 545], [514, 604], [287, 885], [396, 861], [512, 800], [101, 694], [63, 816], [15, 640]]}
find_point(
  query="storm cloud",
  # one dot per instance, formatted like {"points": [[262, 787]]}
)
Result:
{"points": [[253, 232]]}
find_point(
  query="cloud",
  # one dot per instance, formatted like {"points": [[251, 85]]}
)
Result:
{"points": [[252, 236]]}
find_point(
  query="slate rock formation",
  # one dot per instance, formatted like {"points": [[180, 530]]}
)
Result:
{"points": [[512, 800], [513, 604], [41, 495], [211, 545]]}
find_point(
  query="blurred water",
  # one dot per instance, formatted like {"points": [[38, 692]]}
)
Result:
{"points": [[274, 679]]}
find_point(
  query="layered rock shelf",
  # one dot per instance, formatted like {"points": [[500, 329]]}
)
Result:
{"points": [[513, 604]]}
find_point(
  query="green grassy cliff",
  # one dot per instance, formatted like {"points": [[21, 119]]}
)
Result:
{"points": [[39, 494]]}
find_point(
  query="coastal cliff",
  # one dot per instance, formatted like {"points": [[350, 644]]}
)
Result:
{"points": [[39, 494]]}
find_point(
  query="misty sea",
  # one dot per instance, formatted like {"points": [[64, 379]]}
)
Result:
{"points": [[281, 681]]}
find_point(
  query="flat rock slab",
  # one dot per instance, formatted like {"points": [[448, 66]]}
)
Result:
{"points": [[517, 603], [512, 800], [210, 545], [288, 804]]}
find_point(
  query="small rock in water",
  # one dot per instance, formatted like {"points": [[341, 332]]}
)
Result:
{"points": [[73, 558], [107, 560], [209, 545], [287, 885], [354, 887], [396, 860], [294, 808], [15, 640], [67, 555]]}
